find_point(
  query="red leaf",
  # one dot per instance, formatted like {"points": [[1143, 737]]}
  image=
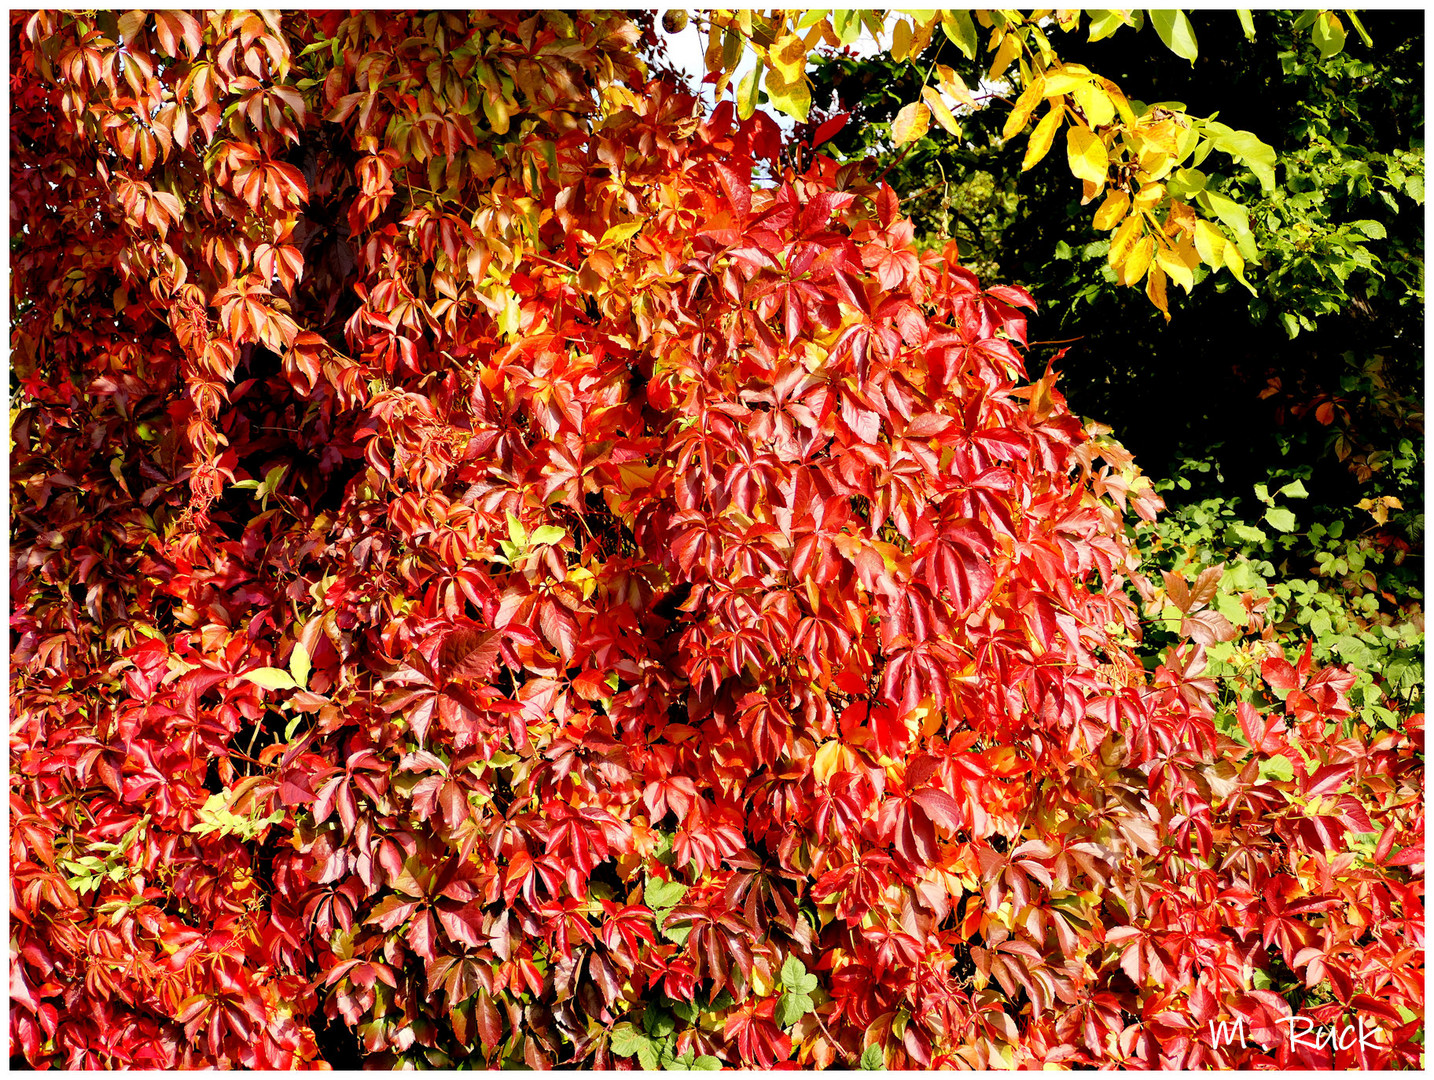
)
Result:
{"points": [[468, 654], [828, 128]]}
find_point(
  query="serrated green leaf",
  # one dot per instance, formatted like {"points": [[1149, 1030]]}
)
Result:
{"points": [[792, 971], [707, 1063], [647, 1055], [271, 678], [663, 894], [792, 1007], [626, 1039], [659, 1023], [873, 1059], [684, 1010]]}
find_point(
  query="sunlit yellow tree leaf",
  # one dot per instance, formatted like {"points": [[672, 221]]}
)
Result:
{"points": [[1042, 137], [911, 123], [1086, 154]]}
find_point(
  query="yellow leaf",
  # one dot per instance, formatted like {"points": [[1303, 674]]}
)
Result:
{"points": [[939, 110], [1112, 210], [713, 56], [793, 97], [1122, 104], [1025, 105], [1095, 104], [1139, 260], [300, 664], [1066, 79], [900, 40], [832, 758], [911, 123], [952, 84], [1149, 196], [616, 234], [1124, 241], [1007, 51], [1042, 137], [1155, 290], [789, 57], [1235, 263], [271, 678], [1180, 221], [1173, 266], [1210, 243], [1086, 154]]}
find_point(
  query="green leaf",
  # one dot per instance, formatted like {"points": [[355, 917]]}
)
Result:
{"points": [[547, 534], [1328, 34], [1277, 768], [1175, 30], [684, 1010], [962, 32], [1295, 489], [516, 533], [1246, 147], [1373, 229], [663, 894], [271, 678], [847, 24], [1359, 29], [1247, 23], [1248, 533], [1105, 22], [747, 94], [872, 1058], [793, 971], [300, 665], [626, 1039], [647, 1055], [792, 1007], [1235, 217], [707, 1063], [659, 1023], [1280, 518]]}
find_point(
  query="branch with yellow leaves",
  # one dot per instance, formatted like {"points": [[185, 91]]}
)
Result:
{"points": [[1165, 214]]}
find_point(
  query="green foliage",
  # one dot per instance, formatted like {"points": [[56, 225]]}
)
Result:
{"points": [[1344, 584], [797, 987]]}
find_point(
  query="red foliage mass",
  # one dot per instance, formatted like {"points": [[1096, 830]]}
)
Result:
{"points": [[490, 574]]}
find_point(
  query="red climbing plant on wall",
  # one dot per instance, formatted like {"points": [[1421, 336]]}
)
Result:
{"points": [[502, 571]]}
